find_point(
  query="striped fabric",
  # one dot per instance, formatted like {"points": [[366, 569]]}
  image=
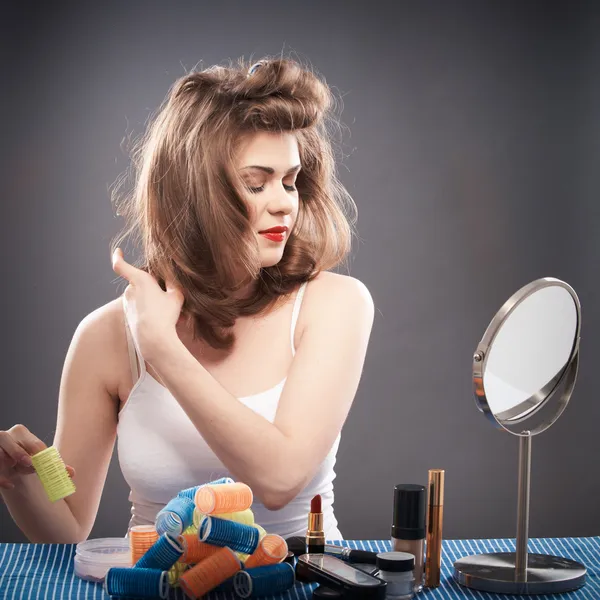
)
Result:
{"points": [[45, 572]]}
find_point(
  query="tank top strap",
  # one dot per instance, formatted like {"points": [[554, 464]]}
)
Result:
{"points": [[296, 312], [135, 356]]}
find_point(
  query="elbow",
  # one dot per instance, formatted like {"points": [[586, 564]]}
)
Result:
{"points": [[277, 486], [80, 537], [276, 500], [277, 495], [75, 537], [273, 501]]}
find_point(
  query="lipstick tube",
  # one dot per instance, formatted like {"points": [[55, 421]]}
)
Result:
{"points": [[315, 536], [435, 517]]}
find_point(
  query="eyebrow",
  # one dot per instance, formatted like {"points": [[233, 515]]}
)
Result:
{"points": [[271, 171]]}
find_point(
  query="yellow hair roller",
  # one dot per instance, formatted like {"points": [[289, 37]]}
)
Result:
{"points": [[53, 474]]}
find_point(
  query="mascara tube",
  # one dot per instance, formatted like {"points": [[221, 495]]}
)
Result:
{"points": [[435, 517]]}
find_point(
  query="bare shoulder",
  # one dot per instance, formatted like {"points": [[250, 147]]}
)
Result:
{"points": [[329, 283], [332, 293], [102, 332], [104, 323]]}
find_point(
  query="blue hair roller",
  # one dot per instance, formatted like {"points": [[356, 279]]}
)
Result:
{"points": [[138, 583], [163, 554], [264, 581], [189, 493], [221, 532], [176, 516], [255, 67]]}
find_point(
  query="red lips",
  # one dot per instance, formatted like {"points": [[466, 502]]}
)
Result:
{"points": [[278, 229]]}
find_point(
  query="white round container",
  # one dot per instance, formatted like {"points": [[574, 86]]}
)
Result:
{"points": [[93, 558], [397, 568]]}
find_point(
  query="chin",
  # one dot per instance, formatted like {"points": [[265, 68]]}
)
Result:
{"points": [[270, 259]]}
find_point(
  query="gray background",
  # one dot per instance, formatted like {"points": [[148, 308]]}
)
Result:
{"points": [[472, 153]]}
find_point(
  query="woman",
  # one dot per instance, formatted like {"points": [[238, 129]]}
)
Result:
{"points": [[234, 349]]}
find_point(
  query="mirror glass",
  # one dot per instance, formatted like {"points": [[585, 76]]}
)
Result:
{"points": [[529, 353]]}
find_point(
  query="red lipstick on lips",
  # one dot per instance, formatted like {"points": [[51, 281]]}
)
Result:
{"points": [[275, 234]]}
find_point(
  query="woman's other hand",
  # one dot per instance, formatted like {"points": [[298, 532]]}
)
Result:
{"points": [[17, 446]]}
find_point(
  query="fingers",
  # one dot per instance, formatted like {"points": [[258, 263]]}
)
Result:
{"points": [[24, 438], [118, 253], [17, 445], [6, 483], [8, 465], [175, 292], [7, 460], [174, 289], [124, 269], [15, 451], [23, 470]]}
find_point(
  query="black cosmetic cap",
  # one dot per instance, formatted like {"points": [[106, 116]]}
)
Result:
{"points": [[409, 512], [395, 562]]}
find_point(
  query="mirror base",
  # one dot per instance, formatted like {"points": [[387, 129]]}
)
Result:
{"points": [[495, 573]]}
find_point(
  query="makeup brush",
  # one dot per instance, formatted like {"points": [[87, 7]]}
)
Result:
{"points": [[297, 545]]}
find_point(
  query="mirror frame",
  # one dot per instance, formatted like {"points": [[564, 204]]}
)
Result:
{"points": [[567, 376]]}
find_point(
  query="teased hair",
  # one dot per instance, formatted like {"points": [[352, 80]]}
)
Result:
{"points": [[187, 207]]}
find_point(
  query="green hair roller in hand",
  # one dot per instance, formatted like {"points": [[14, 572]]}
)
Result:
{"points": [[53, 474]]}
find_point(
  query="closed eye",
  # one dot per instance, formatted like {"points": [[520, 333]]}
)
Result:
{"points": [[256, 190]]}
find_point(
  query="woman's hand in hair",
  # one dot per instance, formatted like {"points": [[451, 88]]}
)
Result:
{"points": [[152, 313]]}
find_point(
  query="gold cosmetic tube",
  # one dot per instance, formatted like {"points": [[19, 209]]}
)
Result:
{"points": [[435, 517]]}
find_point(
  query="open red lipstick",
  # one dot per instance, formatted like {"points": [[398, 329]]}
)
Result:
{"points": [[315, 536]]}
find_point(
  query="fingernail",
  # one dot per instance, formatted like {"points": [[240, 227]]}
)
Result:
{"points": [[26, 461]]}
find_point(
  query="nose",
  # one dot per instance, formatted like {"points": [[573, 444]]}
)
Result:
{"points": [[280, 201]]}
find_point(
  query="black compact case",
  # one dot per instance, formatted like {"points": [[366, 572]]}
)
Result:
{"points": [[340, 576]]}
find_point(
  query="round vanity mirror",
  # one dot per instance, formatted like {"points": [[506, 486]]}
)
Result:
{"points": [[524, 371], [525, 353]]}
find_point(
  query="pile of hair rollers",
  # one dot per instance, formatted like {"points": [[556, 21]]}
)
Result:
{"points": [[204, 539]]}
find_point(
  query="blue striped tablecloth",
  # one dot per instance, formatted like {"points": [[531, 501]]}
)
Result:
{"points": [[45, 572]]}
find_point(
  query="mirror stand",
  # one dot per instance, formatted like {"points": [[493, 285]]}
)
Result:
{"points": [[521, 572], [523, 507]]}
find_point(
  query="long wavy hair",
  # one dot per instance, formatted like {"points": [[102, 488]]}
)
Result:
{"points": [[187, 207]]}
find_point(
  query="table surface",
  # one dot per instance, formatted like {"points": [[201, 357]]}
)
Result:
{"points": [[45, 572]]}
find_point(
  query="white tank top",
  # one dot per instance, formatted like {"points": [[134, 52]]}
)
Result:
{"points": [[161, 452]]}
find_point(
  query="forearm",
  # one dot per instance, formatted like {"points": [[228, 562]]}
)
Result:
{"points": [[39, 519], [253, 449]]}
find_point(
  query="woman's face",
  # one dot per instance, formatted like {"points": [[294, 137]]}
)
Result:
{"points": [[269, 163]]}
